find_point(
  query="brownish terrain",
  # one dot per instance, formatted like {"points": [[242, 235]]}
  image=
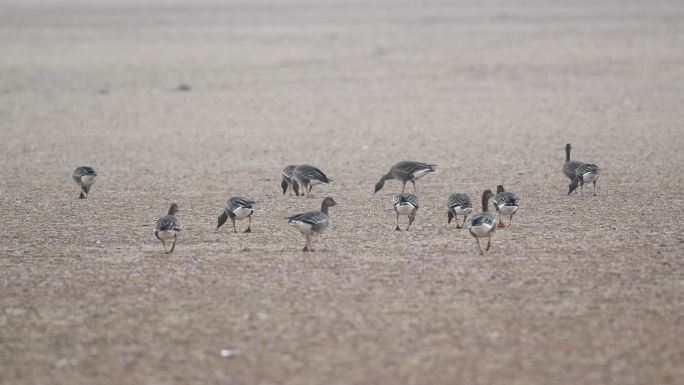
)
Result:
{"points": [[580, 290]]}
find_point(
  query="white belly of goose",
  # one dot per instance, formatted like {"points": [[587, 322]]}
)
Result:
{"points": [[242, 212], [481, 231], [403, 209], [303, 227], [590, 178], [314, 182], [420, 173], [166, 235], [88, 180], [508, 210], [458, 210]]}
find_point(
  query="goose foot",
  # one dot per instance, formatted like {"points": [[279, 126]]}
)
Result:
{"points": [[249, 230], [501, 225], [397, 228]]}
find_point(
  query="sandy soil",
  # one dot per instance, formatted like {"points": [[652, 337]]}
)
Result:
{"points": [[579, 291]]}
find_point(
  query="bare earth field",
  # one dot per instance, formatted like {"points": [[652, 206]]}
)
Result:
{"points": [[578, 291]]}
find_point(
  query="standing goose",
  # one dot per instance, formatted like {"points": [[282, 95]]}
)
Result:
{"points": [[237, 208], [289, 181], [84, 176], [570, 165], [168, 227], [459, 204], [585, 173], [407, 171], [312, 223], [483, 225], [406, 204], [506, 203], [309, 176]]}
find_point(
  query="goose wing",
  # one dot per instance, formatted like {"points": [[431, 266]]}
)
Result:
{"points": [[407, 169], [459, 200], [168, 222], [316, 220], [406, 198], [306, 172], [586, 168], [506, 199], [485, 218], [235, 203], [287, 172], [82, 171]]}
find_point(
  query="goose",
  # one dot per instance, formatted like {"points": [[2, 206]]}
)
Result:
{"points": [[585, 173], [168, 227], [405, 204], [84, 176], [459, 204], [406, 171], [289, 181], [312, 223], [237, 208], [570, 165], [506, 203], [483, 225], [309, 176]]}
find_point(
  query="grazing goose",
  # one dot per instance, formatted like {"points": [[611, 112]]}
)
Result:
{"points": [[237, 208], [506, 203], [84, 176], [289, 181], [309, 176], [406, 171], [459, 204], [406, 204], [312, 223], [585, 173], [483, 225], [168, 227]]}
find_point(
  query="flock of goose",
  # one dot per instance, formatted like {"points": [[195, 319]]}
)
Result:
{"points": [[311, 224]]}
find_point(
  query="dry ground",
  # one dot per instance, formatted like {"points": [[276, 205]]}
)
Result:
{"points": [[579, 291]]}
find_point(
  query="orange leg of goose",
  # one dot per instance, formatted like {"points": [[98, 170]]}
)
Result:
{"points": [[501, 224]]}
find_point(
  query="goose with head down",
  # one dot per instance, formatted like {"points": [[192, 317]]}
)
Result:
{"points": [[237, 208], [458, 204], [505, 203], [406, 171], [483, 225], [288, 180], [308, 176], [406, 204], [168, 227], [84, 176], [585, 173]]}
